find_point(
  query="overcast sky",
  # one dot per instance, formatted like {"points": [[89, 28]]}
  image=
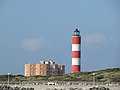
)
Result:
{"points": [[35, 30]]}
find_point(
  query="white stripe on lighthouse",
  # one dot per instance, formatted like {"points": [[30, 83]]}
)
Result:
{"points": [[75, 47], [75, 61]]}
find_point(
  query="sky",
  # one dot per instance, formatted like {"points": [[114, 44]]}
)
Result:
{"points": [[36, 30]]}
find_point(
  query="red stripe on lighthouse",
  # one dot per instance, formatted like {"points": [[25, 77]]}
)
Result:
{"points": [[75, 68], [76, 54], [76, 40]]}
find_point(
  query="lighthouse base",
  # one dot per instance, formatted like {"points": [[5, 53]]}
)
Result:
{"points": [[75, 68]]}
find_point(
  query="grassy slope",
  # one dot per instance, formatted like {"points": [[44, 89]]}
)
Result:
{"points": [[110, 75], [101, 75]]}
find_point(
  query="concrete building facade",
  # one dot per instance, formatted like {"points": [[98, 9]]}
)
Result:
{"points": [[44, 68]]}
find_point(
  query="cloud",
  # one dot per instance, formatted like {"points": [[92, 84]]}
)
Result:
{"points": [[34, 43], [93, 38]]}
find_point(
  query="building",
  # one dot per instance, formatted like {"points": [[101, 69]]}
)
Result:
{"points": [[76, 51], [44, 68]]}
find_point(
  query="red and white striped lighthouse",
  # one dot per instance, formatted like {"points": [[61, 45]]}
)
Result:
{"points": [[76, 52]]}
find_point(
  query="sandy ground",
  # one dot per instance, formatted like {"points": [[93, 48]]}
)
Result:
{"points": [[67, 87]]}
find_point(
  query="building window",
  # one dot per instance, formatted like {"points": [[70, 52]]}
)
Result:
{"points": [[41, 67], [41, 73], [48, 67], [48, 72]]}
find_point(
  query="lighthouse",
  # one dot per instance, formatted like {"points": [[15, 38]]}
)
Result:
{"points": [[76, 51]]}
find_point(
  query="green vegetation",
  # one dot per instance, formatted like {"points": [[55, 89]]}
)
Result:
{"points": [[109, 75]]}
